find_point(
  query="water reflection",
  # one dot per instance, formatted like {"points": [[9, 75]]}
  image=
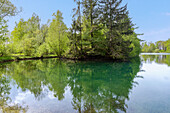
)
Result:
{"points": [[160, 59], [5, 99], [94, 86]]}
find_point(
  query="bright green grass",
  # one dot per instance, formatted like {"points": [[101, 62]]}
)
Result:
{"points": [[6, 58], [19, 56]]}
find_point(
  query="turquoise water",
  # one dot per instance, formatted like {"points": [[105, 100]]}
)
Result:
{"points": [[52, 86]]}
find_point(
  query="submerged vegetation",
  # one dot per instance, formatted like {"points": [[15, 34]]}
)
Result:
{"points": [[100, 28]]}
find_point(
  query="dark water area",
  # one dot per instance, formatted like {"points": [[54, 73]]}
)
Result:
{"points": [[53, 86]]}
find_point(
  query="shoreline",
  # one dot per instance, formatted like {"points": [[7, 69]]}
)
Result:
{"points": [[92, 58], [31, 58]]}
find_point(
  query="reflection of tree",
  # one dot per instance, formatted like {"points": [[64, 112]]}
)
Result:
{"points": [[57, 79], [13, 109], [95, 86], [148, 58], [102, 87], [27, 77], [161, 59], [34, 75], [5, 99], [4, 90]]}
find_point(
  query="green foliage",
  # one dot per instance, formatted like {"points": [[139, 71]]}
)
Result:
{"points": [[57, 36], [3, 37], [104, 29], [28, 46], [167, 46], [26, 36], [151, 47], [42, 50], [135, 45], [158, 47], [100, 28], [156, 51], [7, 9], [32, 40], [144, 47]]}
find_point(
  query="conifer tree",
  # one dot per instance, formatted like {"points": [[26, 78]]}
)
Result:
{"points": [[113, 15], [90, 11], [79, 21]]}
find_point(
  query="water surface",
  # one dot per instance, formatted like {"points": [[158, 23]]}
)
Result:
{"points": [[52, 86]]}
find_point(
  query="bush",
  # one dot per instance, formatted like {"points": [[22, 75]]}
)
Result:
{"points": [[156, 51], [42, 50]]}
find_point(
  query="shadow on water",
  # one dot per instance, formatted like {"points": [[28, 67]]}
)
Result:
{"points": [[95, 86]]}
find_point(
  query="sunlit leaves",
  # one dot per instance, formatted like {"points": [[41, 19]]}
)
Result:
{"points": [[57, 35]]}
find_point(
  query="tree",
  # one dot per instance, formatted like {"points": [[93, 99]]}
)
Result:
{"points": [[17, 36], [57, 35], [79, 23], [6, 9], [151, 47], [106, 30], [72, 35], [43, 48], [168, 46], [160, 45], [27, 36], [115, 17], [100, 28], [90, 11], [75, 33], [3, 37], [145, 47], [97, 46], [134, 45]]}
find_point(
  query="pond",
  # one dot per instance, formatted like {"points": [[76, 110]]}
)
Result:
{"points": [[53, 86]]}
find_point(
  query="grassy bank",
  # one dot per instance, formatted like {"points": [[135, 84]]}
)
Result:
{"points": [[6, 58], [22, 57]]}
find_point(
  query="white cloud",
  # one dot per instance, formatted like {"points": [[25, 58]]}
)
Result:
{"points": [[21, 96]]}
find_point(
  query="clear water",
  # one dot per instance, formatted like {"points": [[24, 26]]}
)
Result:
{"points": [[52, 86]]}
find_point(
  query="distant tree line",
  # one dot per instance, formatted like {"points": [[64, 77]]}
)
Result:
{"points": [[99, 28], [157, 47]]}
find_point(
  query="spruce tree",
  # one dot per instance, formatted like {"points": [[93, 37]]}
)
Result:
{"points": [[112, 14], [90, 11], [77, 26]]}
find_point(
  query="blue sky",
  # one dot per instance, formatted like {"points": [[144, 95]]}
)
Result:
{"points": [[151, 16]]}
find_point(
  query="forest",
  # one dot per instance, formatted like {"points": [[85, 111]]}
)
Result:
{"points": [[100, 28], [157, 47]]}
